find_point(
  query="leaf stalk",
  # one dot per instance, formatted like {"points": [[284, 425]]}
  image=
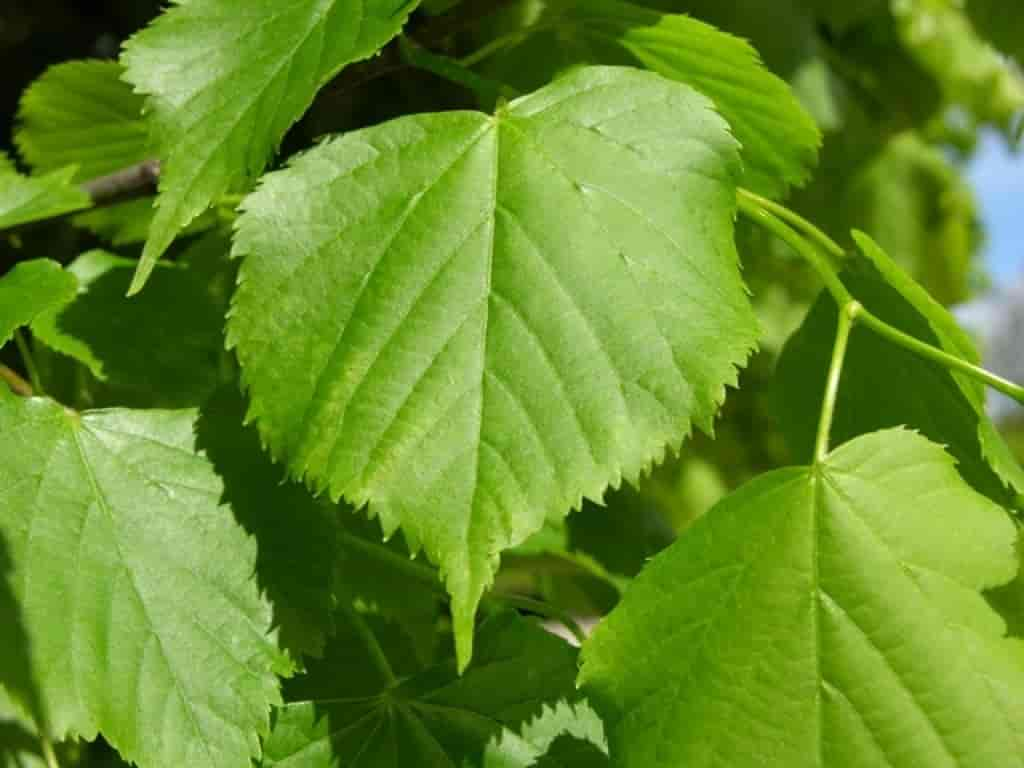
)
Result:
{"points": [[847, 316], [762, 212], [29, 362]]}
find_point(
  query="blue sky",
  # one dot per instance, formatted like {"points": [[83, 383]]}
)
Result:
{"points": [[998, 180]]}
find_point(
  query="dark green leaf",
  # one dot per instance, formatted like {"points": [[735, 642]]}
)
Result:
{"points": [[884, 385]]}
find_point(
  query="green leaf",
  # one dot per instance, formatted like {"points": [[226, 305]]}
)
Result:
{"points": [[778, 137], [297, 534], [885, 386], [135, 584], [25, 199], [160, 349], [227, 78], [19, 744], [81, 113], [471, 322], [29, 289], [1001, 23], [1008, 600], [821, 616], [367, 705], [561, 736], [972, 73], [914, 202]]}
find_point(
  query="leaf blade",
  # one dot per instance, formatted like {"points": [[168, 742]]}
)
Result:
{"points": [[440, 323], [261, 65], [795, 624]]}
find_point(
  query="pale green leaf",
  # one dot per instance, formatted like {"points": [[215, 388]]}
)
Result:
{"points": [[135, 584], [161, 349], [779, 139], [367, 704], [24, 199], [972, 73], [30, 289], [916, 205], [471, 322], [81, 113], [821, 617], [227, 78], [884, 385]]}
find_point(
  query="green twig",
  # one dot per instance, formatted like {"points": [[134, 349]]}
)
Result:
{"points": [[17, 384], [29, 362], [847, 316], [943, 358], [757, 213], [754, 208], [48, 754], [794, 219], [489, 91]]}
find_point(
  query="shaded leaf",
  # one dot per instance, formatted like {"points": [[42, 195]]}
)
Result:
{"points": [[81, 113], [779, 139], [821, 616], [227, 78], [29, 289], [366, 705], [885, 386], [161, 349], [296, 535], [471, 322], [135, 584], [25, 199]]}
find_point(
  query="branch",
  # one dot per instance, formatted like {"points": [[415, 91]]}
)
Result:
{"points": [[137, 180], [17, 384]]}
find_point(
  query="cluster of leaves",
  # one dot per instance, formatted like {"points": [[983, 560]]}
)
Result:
{"points": [[290, 501]]}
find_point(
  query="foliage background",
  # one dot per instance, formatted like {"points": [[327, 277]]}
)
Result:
{"points": [[901, 115]]}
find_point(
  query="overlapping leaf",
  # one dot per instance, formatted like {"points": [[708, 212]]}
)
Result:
{"points": [[81, 113], [779, 139], [30, 289], [470, 322], [24, 199], [227, 78], [367, 704], [885, 386], [160, 349], [135, 585], [972, 73], [822, 616]]}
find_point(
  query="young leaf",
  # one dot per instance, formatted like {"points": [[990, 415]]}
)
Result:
{"points": [[885, 386], [470, 322], [135, 585], [227, 78], [24, 199], [366, 706], [160, 349], [779, 138], [821, 616], [28, 290], [81, 113]]}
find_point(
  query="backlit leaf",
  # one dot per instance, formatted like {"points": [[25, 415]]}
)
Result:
{"points": [[471, 322], [824, 616]]}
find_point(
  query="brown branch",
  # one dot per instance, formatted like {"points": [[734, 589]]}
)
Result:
{"points": [[137, 180]]}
